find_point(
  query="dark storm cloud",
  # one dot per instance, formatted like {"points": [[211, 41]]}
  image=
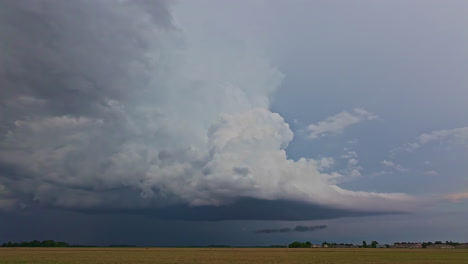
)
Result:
{"points": [[104, 106], [244, 209], [309, 228], [241, 171], [163, 226], [53, 64], [67, 66], [273, 230], [298, 228], [105, 229]]}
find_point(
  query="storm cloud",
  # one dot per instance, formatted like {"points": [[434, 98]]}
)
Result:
{"points": [[108, 104]]}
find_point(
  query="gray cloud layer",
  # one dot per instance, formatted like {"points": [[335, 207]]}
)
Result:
{"points": [[105, 104]]}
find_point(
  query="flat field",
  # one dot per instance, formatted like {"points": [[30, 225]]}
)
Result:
{"points": [[230, 255]]}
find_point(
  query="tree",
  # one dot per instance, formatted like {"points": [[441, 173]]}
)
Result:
{"points": [[364, 244], [374, 244], [295, 244], [35, 243]]}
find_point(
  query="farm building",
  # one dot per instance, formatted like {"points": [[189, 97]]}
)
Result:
{"points": [[462, 246], [440, 246], [407, 245]]}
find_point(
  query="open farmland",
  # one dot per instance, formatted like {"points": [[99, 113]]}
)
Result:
{"points": [[230, 255]]}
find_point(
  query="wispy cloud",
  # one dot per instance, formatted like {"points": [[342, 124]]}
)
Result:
{"points": [[457, 196], [459, 135], [337, 123], [431, 173], [392, 165]]}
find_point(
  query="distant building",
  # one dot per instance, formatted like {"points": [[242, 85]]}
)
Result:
{"points": [[440, 246], [315, 246], [407, 245]]}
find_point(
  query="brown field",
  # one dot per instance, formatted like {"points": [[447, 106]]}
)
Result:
{"points": [[230, 255]]}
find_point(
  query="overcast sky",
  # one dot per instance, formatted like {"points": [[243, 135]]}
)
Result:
{"points": [[233, 122]]}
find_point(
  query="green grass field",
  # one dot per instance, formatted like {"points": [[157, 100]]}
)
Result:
{"points": [[230, 255]]}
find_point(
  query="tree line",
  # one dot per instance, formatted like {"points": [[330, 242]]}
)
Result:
{"points": [[45, 243], [307, 244], [425, 244], [297, 244]]}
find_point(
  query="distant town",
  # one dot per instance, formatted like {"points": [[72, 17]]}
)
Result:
{"points": [[375, 244]]}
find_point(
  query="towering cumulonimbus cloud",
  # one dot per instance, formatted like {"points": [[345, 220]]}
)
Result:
{"points": [[109, 104]]}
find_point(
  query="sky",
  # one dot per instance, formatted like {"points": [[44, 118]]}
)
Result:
{"points": [[180, 123]]}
